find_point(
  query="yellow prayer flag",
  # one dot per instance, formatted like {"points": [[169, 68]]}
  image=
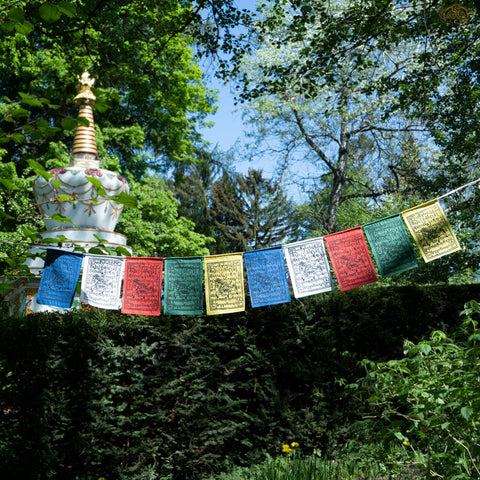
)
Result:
{"points": [[431, 230], [224, 284]]}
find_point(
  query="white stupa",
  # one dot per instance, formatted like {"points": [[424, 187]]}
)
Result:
{"points": [[92, 214]]}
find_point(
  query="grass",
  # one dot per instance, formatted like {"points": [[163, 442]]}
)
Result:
{"points": [[293, 465], [304, 468]]}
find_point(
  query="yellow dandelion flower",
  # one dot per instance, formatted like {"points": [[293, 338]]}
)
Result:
{"points": [[286, 448], [294, 444], [406, 443]]}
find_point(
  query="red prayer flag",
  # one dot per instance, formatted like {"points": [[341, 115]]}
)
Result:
{"points": [[142, 285], [350, 258]]}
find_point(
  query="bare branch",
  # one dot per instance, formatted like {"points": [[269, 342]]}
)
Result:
{"points": [[311, 143]]}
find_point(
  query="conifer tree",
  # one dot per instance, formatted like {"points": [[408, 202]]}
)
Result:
{"points": [[250, 212]]}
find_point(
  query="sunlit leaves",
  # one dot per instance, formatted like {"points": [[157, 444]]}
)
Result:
{"points": [[16, 22], [430, 398], [68, 123], [125, 199], [51, 12], [39, 170], [30, 100]]}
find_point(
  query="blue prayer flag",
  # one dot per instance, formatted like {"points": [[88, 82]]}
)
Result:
{"points": [[267, 277], [59, 278]]}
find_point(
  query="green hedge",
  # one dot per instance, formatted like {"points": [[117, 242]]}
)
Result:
{"points": [[99, 394]]}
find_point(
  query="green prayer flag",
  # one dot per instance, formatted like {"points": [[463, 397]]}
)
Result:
{"points": [[391, 245], [183, 286]]}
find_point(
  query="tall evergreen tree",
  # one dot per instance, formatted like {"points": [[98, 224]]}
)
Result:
{"points": [[192, 184], [250, 212]]}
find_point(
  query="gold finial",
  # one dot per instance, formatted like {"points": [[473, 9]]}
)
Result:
{"points": [[84, 151], [85, 95]]}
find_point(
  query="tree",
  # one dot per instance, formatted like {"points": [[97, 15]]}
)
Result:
{"points": [[147, 79], [341, 128], [250, 212], [355, 208], [437, 78], [151, 98], [330, 75], [192, 184], [155, 229]]}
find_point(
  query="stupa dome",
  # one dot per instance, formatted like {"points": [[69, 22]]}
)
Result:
{"points": [[82, 192]]}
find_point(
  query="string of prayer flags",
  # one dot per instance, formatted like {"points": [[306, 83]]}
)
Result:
{"points": [[223, 282], [224, 288], [431, 230], [142, 285], [267, 277], [391, 245], [60, 276], [308, 267], [350, 258], [102, 281], [183, 286]]}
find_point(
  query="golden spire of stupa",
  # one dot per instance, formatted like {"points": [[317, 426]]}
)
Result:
{"points": [[84, 151]]}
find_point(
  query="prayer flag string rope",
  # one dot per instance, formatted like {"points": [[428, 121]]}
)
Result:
{"points": [[134, 284], [459, 188], [26, 244]]}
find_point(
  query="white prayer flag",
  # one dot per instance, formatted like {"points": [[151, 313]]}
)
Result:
{"points": [[102, 281], [308, 267]]}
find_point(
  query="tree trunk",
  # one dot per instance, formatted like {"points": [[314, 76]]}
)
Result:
{"points": [[339, 178]]}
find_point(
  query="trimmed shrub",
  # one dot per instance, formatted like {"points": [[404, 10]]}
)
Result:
{"points": [[93, 394]]}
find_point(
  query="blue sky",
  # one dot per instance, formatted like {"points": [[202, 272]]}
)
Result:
{"points": [[228, 126]]}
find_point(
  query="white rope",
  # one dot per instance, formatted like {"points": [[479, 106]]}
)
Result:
{"points": [[72, 244], [459, 188]]}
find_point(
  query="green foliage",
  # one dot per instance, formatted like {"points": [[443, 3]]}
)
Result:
{"points": [[299, 467], [250, 212], [92, 394], [149, 89], [192, 184], [146, 75], [18, 215], [154, 227], [239, 211], [331, 127], [53, 363], [429, 400]]}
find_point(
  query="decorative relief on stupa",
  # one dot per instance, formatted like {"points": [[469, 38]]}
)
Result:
{"points": [[82, 192]]}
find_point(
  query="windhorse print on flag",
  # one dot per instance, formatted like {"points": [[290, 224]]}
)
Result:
{"points": [[267, 277], [224, 287], [60, 276], [183, 286], [429, 227], [142, 286], [350, 258], [308, 267], [102, 281], [391, 245]]}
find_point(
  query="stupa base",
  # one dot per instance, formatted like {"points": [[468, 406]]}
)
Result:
{"points": [[84, 237]]}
